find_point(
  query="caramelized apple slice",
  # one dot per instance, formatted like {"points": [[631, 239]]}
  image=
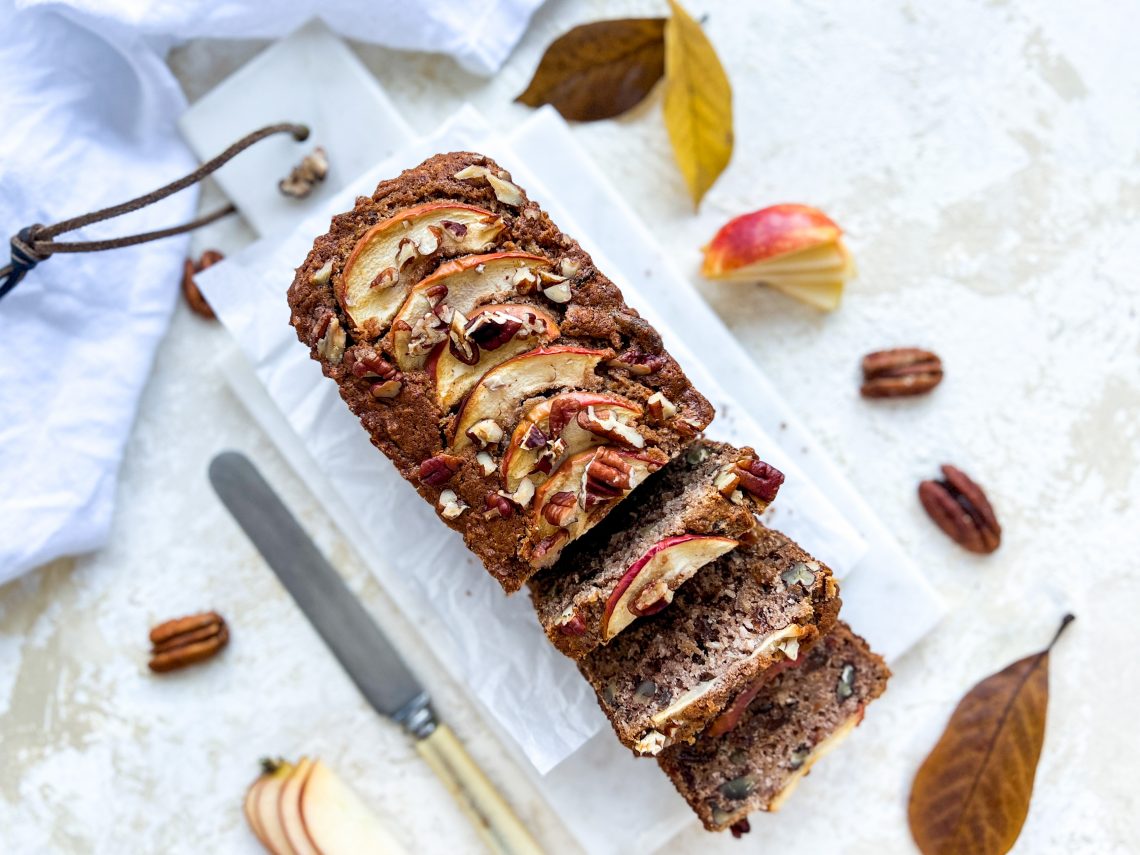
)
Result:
{"points": [[650, 582], [459, 285], [502, 389], [549, 432], [476, 344], [393, 253]]}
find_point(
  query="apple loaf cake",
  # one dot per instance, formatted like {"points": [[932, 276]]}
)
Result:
{"points": [[689, 513], [796, 718], [670, 676], [490, 360]]}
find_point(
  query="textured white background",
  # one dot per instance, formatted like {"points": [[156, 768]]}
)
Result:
{"points": [[984, 158]]}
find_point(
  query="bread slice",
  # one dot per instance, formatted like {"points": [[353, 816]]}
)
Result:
{"points": [[490, 360], [691, 512], [668, 677], [795, 719]]}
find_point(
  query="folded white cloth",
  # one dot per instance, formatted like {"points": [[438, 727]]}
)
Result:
{"points": [[87, 119]]}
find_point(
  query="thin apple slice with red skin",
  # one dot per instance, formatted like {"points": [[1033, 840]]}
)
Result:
{"points": [[454, 377], [519, 461], [268, 809], [337, 821], [389, 257], [767, 234], [469, 281], [289, 809], [656, 575], [502, 389]]}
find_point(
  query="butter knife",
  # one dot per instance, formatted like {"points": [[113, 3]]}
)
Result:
{"points": [[362, 649]]}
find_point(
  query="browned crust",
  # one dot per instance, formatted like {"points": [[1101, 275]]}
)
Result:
{"points": [[410, 428], [765, 744]]}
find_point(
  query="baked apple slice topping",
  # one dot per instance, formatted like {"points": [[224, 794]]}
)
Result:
{"points": [[395, 252], [579, 492], [564, 425], [650, 582], [460, 285], [794, 248], [476, 344], [501, 391]]}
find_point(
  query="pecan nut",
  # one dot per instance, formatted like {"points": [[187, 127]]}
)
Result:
{"points": [[437, 471], [960, 508], [900, 372], [561, 509], [190, 290], [185, 641], [760, 479], [608, 475]]}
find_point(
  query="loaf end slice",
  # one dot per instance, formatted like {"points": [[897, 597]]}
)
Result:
{"points": [[793, 721]]}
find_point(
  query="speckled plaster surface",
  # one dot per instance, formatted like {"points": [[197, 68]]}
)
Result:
{"points": [[985, 160]]}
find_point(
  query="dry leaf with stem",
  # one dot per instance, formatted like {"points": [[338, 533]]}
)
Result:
{"points": [[698, 103], [599, 70], [971, 795]]}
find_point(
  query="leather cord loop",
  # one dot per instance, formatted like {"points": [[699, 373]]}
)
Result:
{"points": [[36, 243]]}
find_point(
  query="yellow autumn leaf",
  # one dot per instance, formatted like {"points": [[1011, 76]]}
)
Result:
{"points": [[698, 103]]}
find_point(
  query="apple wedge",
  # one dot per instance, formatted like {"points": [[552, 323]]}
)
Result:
{"points": [[650, 582], [337, 821], [266, 808], [391, 256], [249, 810], [489, 336], [459, 285], [289, 809], [502, 389], [794, 248], [530, 449]]}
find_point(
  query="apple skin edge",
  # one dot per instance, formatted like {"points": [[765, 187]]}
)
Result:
{"points": [[766, 234], [707, 547]]}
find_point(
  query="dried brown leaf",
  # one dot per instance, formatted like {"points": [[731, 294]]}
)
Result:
{"points": [[599, 70], [698, 103], [971, 795]]}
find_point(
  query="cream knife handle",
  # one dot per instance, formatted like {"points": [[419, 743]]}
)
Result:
{"points": [[492, 817]]}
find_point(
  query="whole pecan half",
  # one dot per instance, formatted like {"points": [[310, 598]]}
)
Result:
{"points": [[437, 471], [961, 509], [760, 479], [900, 372], [184, 641], [190, 290]]}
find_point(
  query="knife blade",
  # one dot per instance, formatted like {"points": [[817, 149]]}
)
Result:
{"points": [[373, 664]]}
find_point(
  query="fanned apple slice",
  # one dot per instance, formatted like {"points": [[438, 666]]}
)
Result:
{"points": [[535, 446], [392, 254], [794, 248], [338, 822], [249, 810], [502, 389], [580, 491], [268, 810], [477, 343], [650, 582], [289, 809], [459, 285]]}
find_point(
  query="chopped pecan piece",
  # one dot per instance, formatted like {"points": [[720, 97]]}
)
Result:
{"points": [[604, 423], [437, 471], [190, 290], [498, 506], [900, 372], [185, 641], [760, 479], [637, 362], [960, 508], [561, 508]]}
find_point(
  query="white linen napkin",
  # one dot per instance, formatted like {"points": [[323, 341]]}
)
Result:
{"points": [[87, 119]]}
